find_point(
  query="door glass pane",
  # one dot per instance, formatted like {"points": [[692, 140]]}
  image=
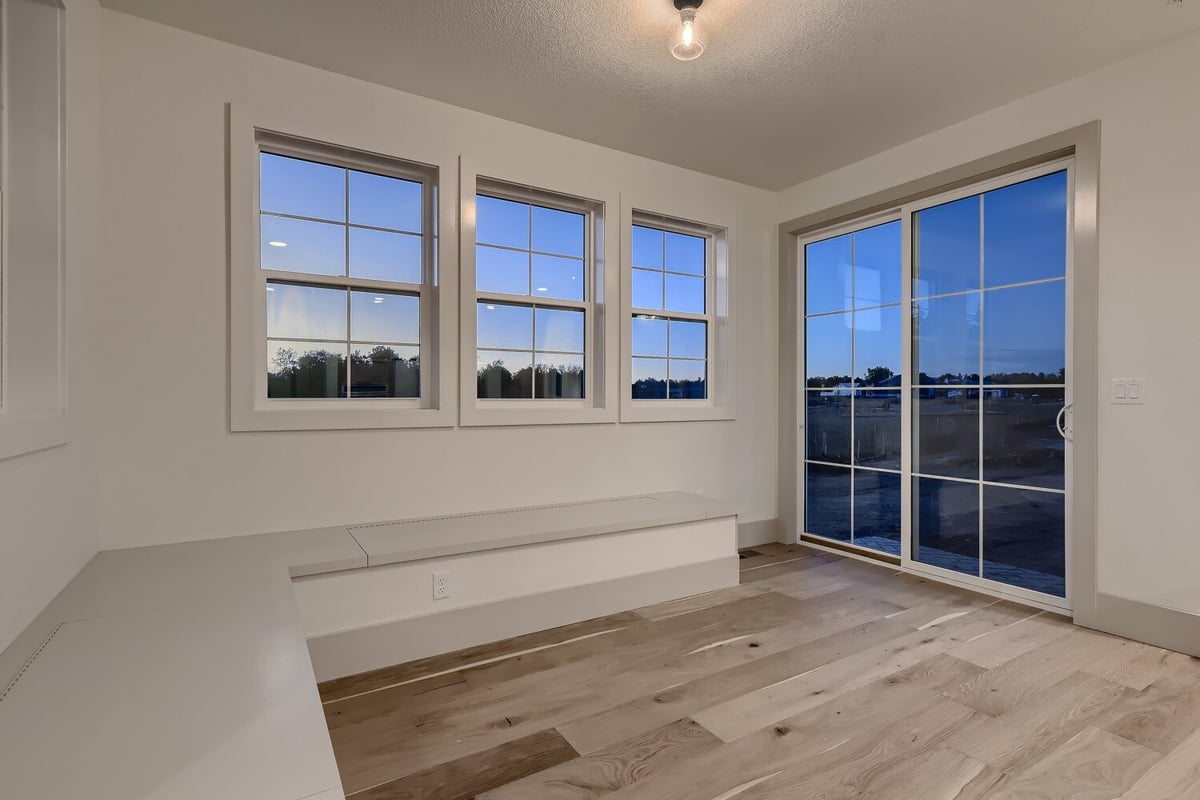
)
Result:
{"points": [[1024, 334], [877, 267], [1021, 443], [827, 425], [1024, 541], [946, 438], [877, 346], [828, 350], [946, 339], [947, 257], [877, 510], [877, 421], [827, 275], [1025, 231], [946, 524], [827, 501]]}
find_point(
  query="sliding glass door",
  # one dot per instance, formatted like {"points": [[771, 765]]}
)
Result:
{"points": [[939, 435]]}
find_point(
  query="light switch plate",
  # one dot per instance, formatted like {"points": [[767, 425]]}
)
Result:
{"points": [[1128, 391]]}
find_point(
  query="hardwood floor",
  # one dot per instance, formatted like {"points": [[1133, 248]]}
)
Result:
{"points": [[818, 677]]}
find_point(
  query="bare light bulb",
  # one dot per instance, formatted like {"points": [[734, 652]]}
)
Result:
{"points": [[689, 45]]}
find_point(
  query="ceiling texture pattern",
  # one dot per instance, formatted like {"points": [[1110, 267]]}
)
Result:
{"points": [[786, 89]]}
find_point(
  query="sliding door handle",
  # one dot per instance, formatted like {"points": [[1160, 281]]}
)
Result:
{"points": [[1060, 422]]}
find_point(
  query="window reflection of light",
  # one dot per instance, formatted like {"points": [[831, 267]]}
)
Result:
{"points": [[490, 308], [277, 244], [542, 289], [378, 300], [270, 288]]}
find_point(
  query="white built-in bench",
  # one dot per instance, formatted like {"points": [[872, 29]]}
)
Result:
{"points": [[183, 671]]}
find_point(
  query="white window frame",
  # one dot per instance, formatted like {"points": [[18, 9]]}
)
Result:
{"points": [[600, 334], [33, 358], [250, 408], [719, 403]]}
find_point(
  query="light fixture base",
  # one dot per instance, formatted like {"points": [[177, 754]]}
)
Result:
{"points": [[680, 5]]}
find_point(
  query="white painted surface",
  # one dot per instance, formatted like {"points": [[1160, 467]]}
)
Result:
{"points": [[167, 469], [785, 90], [1148, 546]]}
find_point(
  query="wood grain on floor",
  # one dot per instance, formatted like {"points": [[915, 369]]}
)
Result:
{"points": [[818, 676]]}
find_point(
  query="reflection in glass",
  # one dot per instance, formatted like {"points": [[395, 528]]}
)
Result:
{"points": [[877, 422], [296, 245], [684, 294], [947, 258], [1024, 334], [687, 379], [647, 247], [561, 278], [684, 253], [503, 374], [827, 426], [649, 378], [383, 202], [385, 370], [946, 339], [827, 343], [385, 317], [877, 510], [301, 188], [298, 369], [501, 222], [647, 289], [877, 267], [559, 232], [946, 434], [827, 501], [501, 271], [558, 375], [385, 256], [558, 329], [1024, 539], [505, 326], [827, 275], [946, 524], [877, 346], [1021, 443], [689, 339], [649, 337], [1025, 231], [305, 312]]}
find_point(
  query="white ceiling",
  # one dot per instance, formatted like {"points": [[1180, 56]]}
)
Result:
{"points": [[786, 90]]}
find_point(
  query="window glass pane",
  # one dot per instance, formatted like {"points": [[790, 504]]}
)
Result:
{"points": [[685, 253], [557, 231], [295, 245], [385, 256], [827, 501], [504, 374], [504, 326], [1024, 539], [946, 524], [649, 378], [501, 222], [946, 339], [827, 347], [877, 421], [827, 425], [827, 275], [1024, 334], [649, 337], [685, 294], [947, 433], [301, 188], [947, 258], [1025, 231], [385, 370], [647, 289], [877, 346], [558, 375], [384, 202], [502, 271], [689, 339], [1021, 443], [687, 379], [647, 247], [877, 254], [556, 329], [305, 312], [557, 277], [877, 510], [385, 317], [305, 369]]}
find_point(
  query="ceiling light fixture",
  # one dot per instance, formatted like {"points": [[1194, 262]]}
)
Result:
{"points": [[689, 46]]}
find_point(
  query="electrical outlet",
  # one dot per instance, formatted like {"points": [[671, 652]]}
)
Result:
{"points": [[441, 585]]}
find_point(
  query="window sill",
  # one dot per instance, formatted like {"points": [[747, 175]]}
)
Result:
{"points": [[22, 435]]}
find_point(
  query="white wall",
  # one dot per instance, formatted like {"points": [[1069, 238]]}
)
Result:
{"points": [[1149, 533], [46, 532], [167, 467]]}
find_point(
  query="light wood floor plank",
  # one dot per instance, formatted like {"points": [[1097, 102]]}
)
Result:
{"points": [[1093, 765], [1175, 777]]}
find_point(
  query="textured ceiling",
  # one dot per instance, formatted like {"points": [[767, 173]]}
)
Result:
{"points": [[786, 90]]}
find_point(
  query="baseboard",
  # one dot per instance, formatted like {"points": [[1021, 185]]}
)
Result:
{"points": [[349, 652], [1162, 627], [759, 531]]}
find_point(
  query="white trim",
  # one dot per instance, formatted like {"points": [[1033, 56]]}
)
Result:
{"points": [[250, 410]]}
